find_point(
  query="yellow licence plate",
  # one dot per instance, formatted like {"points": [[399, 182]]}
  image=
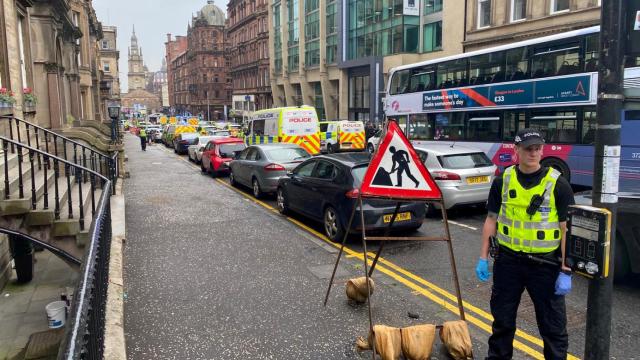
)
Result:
{"points": [[400, 217], [477, 179]]}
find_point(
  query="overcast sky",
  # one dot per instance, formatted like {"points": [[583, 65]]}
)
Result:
{"points": [[153, 20]]}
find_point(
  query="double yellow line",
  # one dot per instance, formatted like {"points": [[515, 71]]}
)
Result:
{"points": [[431, 291]]}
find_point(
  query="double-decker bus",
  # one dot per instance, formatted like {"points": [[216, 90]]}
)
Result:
{"points": [[548, 83], [483, 98]]}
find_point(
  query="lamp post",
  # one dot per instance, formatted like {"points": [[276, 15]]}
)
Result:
{"points": [[206, 92], [114, 113]]}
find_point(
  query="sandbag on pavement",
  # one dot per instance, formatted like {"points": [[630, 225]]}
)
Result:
{"points": [[388, 342], [357, 289], [417, 341], [455, 336]]}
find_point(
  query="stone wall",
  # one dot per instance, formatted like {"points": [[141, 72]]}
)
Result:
{"points": [[5, 260]]}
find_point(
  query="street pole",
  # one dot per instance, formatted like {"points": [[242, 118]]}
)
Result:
{"points": [[606, 168], [208, 108]]}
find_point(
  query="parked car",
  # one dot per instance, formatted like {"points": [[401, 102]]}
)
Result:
{"points": [[260, 166], [372, 143], [464, 174], [325, 188], [220, 133], [157, 136], [194, 151], [182, 141], [218, 154]]}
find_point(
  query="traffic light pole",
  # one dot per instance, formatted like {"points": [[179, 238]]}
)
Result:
{"points": [[606, 167]]}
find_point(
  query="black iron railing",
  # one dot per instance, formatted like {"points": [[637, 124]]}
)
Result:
{"points": [[85, 329], [51, 142], [66, 173]]}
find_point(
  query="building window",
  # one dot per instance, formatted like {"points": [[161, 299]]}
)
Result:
{"points": [[76, 22], [332, 49], [484, 13], [106, 67], [432, 37], [105, 44], [312, 53], [432, 6], [294, 31], [559, 6], [277, 41], [318, 101], [293, 60], [518, 10]]}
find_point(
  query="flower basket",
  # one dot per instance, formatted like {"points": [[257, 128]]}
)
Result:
{"points": [[6, 101], [29, 107], [6, 108]]}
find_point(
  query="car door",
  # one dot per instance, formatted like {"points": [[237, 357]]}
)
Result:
{"points": [[206, 156], [298, 191], [256, 164], [239, 166], [245, 168], [321, 188]]}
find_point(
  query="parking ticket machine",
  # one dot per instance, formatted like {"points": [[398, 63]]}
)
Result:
{"points": [[588, 241]]}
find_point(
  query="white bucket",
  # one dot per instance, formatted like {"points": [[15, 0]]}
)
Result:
{"points": [[56, 314]]}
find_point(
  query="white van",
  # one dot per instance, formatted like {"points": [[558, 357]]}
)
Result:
{"points": [[297, 125]]}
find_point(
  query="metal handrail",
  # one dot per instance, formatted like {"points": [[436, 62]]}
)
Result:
{"points": [[108, 160], [85, 330]]}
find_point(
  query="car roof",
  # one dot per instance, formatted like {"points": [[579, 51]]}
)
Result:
{"points": [[349, 159], [447, 149], [226, 140]]}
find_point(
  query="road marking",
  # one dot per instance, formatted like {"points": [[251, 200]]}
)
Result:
{"points": [[453, 307], [388, 269], [463, 225]]}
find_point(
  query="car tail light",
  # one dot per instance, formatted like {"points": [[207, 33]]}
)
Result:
{"points": [[497, 172], [274, 167], [352, 194], [445, 175]]}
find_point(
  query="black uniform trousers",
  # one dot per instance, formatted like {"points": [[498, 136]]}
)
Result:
{"points": [[513, 274]]}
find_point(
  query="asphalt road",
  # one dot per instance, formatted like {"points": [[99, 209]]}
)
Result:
{"points": [[211, 273]]}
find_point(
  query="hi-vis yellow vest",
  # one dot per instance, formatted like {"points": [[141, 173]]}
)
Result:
{"points": [[520, 231]]}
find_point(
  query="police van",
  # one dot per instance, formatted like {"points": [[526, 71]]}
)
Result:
{"points": [[342, 135], [297, 125]]}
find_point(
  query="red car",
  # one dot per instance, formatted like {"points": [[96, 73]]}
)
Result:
{"points": [[218, 153]]}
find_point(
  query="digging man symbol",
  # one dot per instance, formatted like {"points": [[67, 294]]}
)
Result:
{"points": [[401, 161]]}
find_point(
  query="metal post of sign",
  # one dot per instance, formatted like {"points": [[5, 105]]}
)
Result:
{"points": [[606, 166], [366, 274], [344, 239], [387, 232]]}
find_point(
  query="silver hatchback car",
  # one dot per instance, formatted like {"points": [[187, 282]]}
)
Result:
{"points": [[463, 174], [260, 166]]}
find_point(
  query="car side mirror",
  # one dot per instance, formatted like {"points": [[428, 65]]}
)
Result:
{"points": [[290, 173]]}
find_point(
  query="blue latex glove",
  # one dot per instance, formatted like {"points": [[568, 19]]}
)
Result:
{"points": [[482, 270], [563, 284]]}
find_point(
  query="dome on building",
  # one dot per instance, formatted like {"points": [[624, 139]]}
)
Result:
{"points": [[212, 14]]}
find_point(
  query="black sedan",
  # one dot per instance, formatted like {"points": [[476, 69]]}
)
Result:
{"points": [[325, 188]]}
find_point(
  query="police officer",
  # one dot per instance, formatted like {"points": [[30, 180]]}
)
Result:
{"points": [[527, 214], [143, 138]]}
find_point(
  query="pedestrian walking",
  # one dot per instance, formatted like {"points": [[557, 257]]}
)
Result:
{"points": [[400, 162], [369, 130], [143, 139], [526, 229]]}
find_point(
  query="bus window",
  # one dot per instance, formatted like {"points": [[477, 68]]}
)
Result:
{"points": [[556, 126], [555, 60], [399, 82], [422, 79], [591, 49], [632, 61], [512, 122], [517, 67], [487, 68], [449, 126], [452, 74], [420, 127], [483, 126], [589, 126]]}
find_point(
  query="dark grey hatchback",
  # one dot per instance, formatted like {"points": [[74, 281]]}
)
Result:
{"points": [[325, 188]]}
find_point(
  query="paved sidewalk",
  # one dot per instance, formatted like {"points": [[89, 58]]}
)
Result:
{"points": [[22, 306]]}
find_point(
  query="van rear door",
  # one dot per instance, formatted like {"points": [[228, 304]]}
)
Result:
{"points": [[300, 126], [351, 135]]}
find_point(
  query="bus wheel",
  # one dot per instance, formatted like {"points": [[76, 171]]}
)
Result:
{"points": [[558, 165]]}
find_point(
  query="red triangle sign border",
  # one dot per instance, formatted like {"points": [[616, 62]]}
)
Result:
{"points": [[369, 191]]}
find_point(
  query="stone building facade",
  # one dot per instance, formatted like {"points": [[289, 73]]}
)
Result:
{"points": [[109, 57], [173, 49], [498, 22], [201, 81], [248, 37]]}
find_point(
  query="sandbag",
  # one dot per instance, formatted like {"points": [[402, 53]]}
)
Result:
{"points": [[388, 342], [357, 289], [417, 341], [455, 336]]}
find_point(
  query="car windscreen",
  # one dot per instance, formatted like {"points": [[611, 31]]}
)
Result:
{"points": [[465, 161], [189, 136], [287, 154], [358, 174], [227, 150]]}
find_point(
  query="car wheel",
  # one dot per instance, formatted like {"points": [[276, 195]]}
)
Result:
{"points": [[232, 179], [558, 165], [175, 151], [255, 185], [370, 148], [281, 201], [330, 149], [212, 172], [332, 226]]}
